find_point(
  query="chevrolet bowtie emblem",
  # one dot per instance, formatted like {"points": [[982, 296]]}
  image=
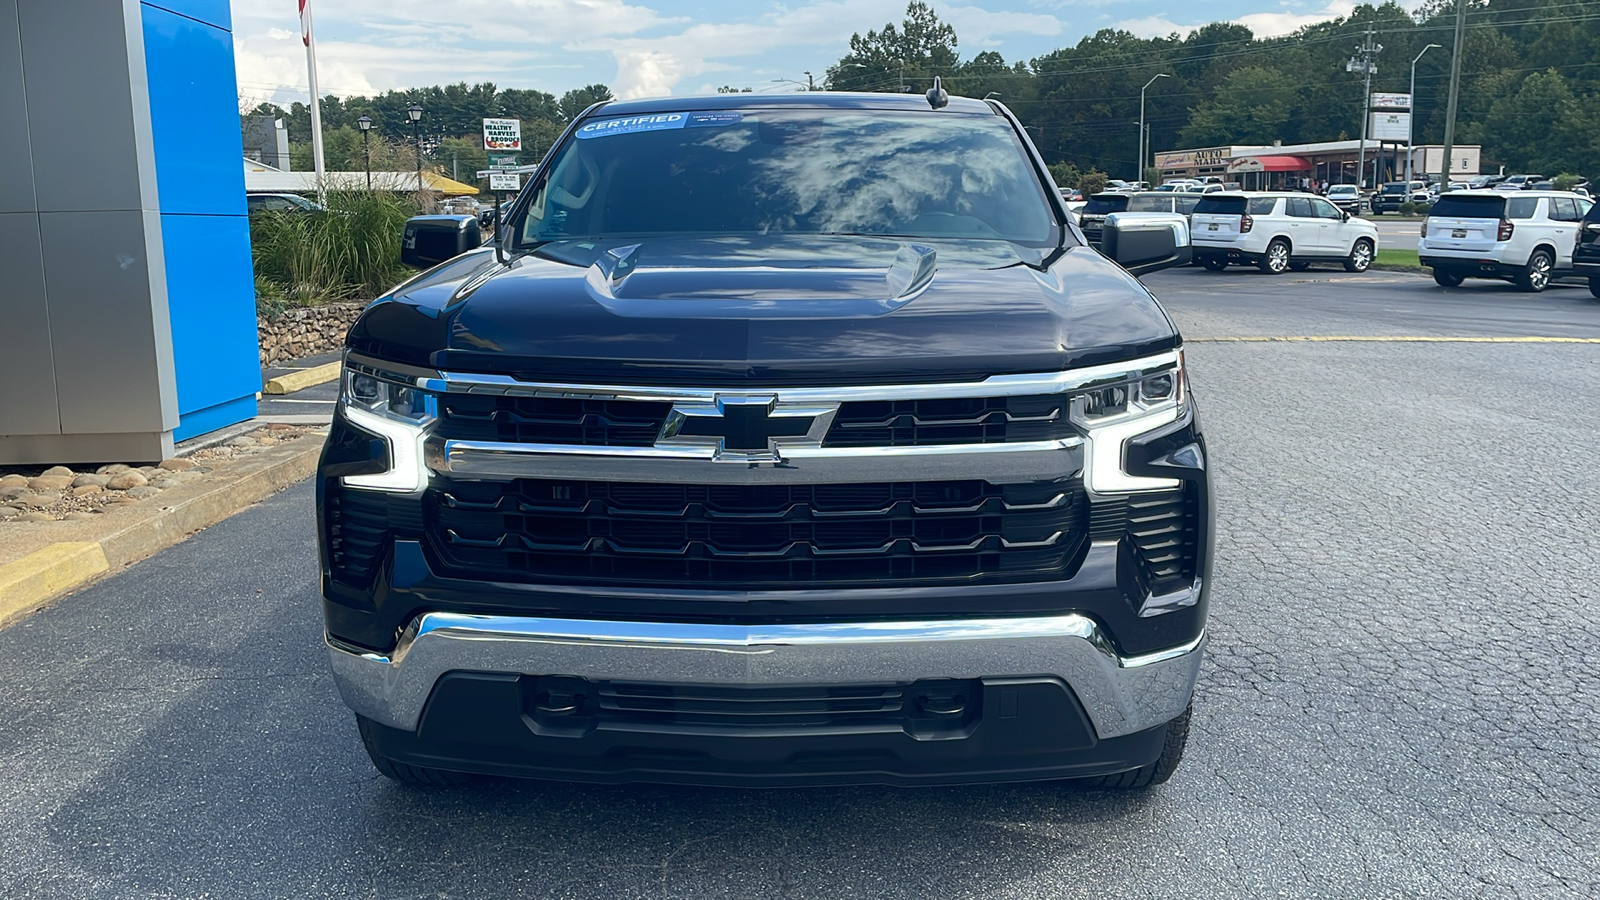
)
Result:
{"points": [[746, 427]]}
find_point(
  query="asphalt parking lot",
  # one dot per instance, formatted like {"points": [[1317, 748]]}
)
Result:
{"points": [[1401, 697]]}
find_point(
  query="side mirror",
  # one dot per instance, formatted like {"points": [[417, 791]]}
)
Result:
{"points": [[1146, 242], [1344, 215], [430, 240]]}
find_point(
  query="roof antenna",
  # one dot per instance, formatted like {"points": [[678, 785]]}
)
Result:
{"points": [[937, 98]]}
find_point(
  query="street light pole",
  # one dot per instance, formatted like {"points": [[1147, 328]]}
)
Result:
{"points": [[414, 113], [1139, 175], [1411, 125], [811, 83], [365, 124]]}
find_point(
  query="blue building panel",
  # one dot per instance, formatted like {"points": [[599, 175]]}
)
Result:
{"points": [[211, 12], [194, 114], [205, 232], [211, 302]]}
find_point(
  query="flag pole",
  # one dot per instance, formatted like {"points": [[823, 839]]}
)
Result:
{"points": [[316, 103]]}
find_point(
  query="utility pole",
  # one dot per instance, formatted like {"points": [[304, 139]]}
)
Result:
{"points": [[1411, 126], [1365, 62], [1455, 90]]}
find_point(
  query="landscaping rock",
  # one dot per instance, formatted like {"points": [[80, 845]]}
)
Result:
{"points": [[79, 516], [50, 482], [36, 517], [143, 491], [125, 480], [177, 465], [243, 441], [39, 500], [9, 512], [115, 469], [96, 480], [58, 470], [13, 492], [84, 490], [13, 481]]}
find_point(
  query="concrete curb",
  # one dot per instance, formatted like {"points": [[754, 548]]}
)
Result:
{"points": [[32, 582], [299, 380]]}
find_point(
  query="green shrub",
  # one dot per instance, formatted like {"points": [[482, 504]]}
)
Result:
{"points": [[1092, 182], [1422, 209], [1565, 181], [350, 251], [1408, 208]]}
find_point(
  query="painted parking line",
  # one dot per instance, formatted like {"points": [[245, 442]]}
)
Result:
{"points": [[1389, 339]]}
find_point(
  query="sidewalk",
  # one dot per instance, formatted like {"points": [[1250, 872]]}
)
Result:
{"points": [[63, 527]]}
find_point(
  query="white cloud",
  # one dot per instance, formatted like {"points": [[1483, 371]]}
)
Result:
{"points": [[1275, 24], [1153, 27]]}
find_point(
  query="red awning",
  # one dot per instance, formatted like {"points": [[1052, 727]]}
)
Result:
{"points": [[1269, 164]]}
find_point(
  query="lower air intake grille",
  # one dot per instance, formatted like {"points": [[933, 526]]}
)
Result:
{"points": [[358, 532], [761, 536], [1165, 528]]}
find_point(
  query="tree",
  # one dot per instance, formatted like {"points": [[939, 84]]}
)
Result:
{"points": [[1092, 182], [1251, 107], [575, 101], [1542, 128], [891, 58]]}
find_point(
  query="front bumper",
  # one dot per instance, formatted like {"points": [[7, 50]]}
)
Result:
{"points": [[1044, 697]]}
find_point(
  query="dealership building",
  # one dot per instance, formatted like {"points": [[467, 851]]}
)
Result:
{"points": [[1284, 165]]}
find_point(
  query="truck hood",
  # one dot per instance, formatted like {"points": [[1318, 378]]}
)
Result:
{"points": [[753, 311]]}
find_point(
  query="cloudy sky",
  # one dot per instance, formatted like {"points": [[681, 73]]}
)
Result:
{"points": [[645, 48]]}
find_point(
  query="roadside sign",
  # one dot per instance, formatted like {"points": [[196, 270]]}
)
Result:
{"points": [[502, 161], [505, 181], [502, 134], [1390, 101]]}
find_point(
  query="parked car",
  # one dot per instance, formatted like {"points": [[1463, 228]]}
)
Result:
{"points": [[1586, 249], [1518, 182], [1346, 197], [1093, 214], [264, 202], [1526, 238], [1479, 182], [1277, 232], [695, 477], [1391, 195]]}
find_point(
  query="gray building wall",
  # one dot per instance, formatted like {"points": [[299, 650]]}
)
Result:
{"points": [[88, 374], [266, 140]]}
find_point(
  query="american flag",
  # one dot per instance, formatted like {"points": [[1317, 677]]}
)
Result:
{"points": [[305, 23]]}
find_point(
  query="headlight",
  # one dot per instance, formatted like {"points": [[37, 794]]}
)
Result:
{"points": [[1118, 408], [387, 405]]}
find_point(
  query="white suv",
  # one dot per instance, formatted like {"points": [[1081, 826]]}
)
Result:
{"points": [[1525, 237], [1278, 232]]}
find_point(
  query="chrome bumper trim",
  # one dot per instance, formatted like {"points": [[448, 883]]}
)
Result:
{"points": [[1023, 461], [1121, 695]]}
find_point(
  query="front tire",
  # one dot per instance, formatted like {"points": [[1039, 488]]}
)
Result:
{"points": [[1447, 278], [1157, 772], [1535, 276], [1276, 259], [1360, 258], [420, 776]]}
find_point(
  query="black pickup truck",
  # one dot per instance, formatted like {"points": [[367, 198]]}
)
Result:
{"points": [[774, 440]]}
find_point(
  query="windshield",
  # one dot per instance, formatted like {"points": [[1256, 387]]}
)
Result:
{"points": [[1147, 203], [802, 171], [1341, 189], [1398, 187], [1101, 204]]}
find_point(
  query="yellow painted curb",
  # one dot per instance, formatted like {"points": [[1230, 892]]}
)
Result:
{"points": [[302, 379], [1389, 339], [39, 576]]}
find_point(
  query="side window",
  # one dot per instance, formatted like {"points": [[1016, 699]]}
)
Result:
{"points": [[1262, 206], [278, 204], [1325, 210], [1186, 205], [1562, 209], [1521, 207], [255, 204], [1583, 207], [1300, 208]]}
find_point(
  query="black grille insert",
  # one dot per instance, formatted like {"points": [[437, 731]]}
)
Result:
{"points": [[764, 536], [1165, 527], [976, 420], [551, 420], [358, 533]]}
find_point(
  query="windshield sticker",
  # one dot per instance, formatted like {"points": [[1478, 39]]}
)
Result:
{"points": [[706, 120], [632, 124]]}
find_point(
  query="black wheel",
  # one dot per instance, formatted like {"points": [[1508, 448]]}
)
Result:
{"points": [[1214, 264], [1535, 276], [1276, 260], [406, 774], [1594, 287], [1157, 772], [1299, 265], [1360, 258], [1447, 278]]}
